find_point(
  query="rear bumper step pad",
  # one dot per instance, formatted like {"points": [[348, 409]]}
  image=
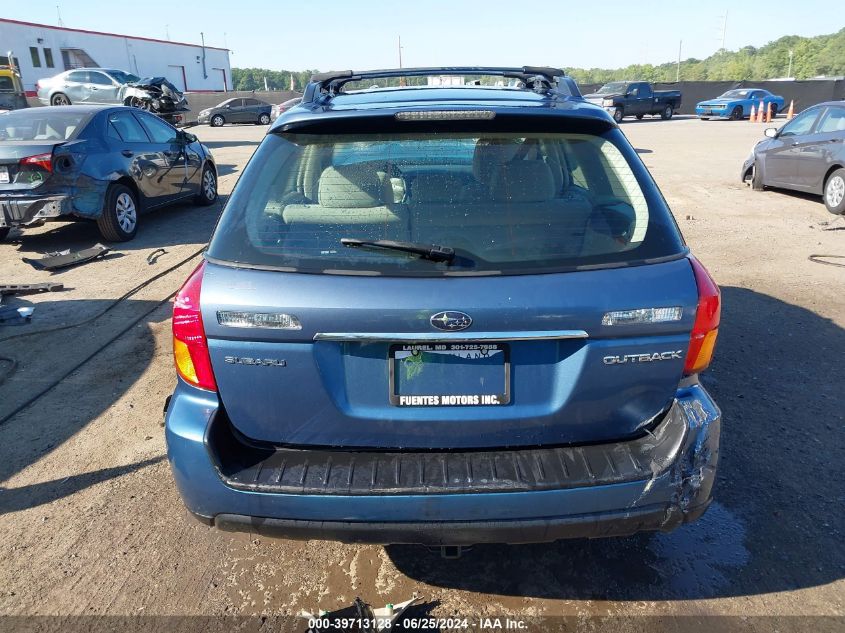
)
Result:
{"points": [[344, 472]]}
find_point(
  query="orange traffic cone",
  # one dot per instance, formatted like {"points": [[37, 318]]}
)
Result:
{"points": [[769, 113], [761, 114], [753, 116], [791, 113]]}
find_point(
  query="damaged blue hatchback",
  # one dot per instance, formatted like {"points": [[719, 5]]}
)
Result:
{"points": [[107, 164], [445, 316]]}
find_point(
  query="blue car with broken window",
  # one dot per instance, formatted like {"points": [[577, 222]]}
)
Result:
{"points": [[445, 316], [101, 163]]}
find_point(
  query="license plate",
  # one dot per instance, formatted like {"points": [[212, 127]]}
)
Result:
{"points": [[4, 175], [449, 374]]}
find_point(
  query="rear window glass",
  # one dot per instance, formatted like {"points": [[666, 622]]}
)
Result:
{"points": [[33, 124], [6, 84], [506, 203]]}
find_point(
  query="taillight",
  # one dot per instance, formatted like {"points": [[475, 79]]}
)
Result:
{"points": [[706, 326], [45, 161], [190, 347]]}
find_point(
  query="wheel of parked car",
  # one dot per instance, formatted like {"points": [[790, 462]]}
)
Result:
{"points": [[736, 113], [264, 119], [119, 219], [4, 233], [667, 113], [757, 179], [217, 120], [834, 192], [59, 99], [618, 115], [208, 187]]}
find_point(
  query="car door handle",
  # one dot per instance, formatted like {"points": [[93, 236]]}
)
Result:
{"points": [[128, 153]]}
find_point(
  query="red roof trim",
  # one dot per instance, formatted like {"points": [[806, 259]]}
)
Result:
{"points": [[129, 37]]}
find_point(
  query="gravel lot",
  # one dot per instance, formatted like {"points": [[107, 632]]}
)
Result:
{"points": [[90, 521]]}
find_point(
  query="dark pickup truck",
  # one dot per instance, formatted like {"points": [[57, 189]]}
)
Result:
{"points": [[635, 98]]}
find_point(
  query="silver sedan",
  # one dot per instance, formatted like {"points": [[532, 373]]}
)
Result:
{"points": [[85, 86]]}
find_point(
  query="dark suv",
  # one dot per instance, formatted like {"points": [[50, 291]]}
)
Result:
{"points": [[445, 316]]}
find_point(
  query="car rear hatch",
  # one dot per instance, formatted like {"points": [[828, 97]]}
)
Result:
{"points": [[520, 341], [563, 377]]}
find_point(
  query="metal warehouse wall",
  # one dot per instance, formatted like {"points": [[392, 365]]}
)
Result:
{"points": [[180, 63], [804, 93]]}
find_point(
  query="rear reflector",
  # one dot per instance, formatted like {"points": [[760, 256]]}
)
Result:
{"points": [[642, 315], [706, 326], [190, 347], [45, 161], [273, 320], [446, 115]]}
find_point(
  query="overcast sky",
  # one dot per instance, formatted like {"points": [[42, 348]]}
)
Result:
{"points": [[333, 34]]}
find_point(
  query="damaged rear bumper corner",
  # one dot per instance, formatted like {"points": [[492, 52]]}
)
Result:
{"points": [[24, 211]]}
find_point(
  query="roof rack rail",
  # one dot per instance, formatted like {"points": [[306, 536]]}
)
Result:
{"points": [[537, 78]]}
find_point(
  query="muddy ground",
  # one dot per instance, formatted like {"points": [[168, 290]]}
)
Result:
{"points": [[91, 523]]}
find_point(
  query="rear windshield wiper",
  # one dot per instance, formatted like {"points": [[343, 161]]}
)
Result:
{"points": [[433, 252]]}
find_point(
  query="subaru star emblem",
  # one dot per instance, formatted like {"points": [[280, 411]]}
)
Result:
{"points": [[451, 321]]}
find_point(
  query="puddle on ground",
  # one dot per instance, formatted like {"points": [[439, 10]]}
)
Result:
{"points": [[696, 559]]}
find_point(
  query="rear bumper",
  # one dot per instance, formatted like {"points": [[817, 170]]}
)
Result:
{"points": [[21, 211], [597, 525], [671, 487]]}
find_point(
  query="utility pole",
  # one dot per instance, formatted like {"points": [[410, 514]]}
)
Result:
{"points": [[59, 14], [724, 29], [167, 31], [401, 79], [204, 72], [678, 73], [789, 72]]}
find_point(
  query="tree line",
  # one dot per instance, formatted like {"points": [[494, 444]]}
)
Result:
{"points": [[823, 55]]}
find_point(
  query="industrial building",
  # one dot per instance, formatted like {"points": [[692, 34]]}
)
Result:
{"points": [[43, 50]]}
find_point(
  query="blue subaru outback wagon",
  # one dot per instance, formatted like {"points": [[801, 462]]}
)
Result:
{"points": [[445, 316]]}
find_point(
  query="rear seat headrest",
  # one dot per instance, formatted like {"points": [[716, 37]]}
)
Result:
{"points": [[489, 155], [523, 181], [350, 186]]}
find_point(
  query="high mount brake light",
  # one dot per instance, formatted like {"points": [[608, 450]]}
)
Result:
{"points": [[706, 326], [190, 347], [45, 161]]}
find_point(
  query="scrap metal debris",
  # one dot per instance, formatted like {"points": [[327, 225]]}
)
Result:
{"points": [[360, 617], [28, 289], [63, 259]]}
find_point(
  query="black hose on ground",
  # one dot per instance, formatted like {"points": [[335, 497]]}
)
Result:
{"points": [[111, 306]]}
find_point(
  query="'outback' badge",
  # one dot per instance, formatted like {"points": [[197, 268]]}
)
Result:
{"points": [[451, 321]]}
